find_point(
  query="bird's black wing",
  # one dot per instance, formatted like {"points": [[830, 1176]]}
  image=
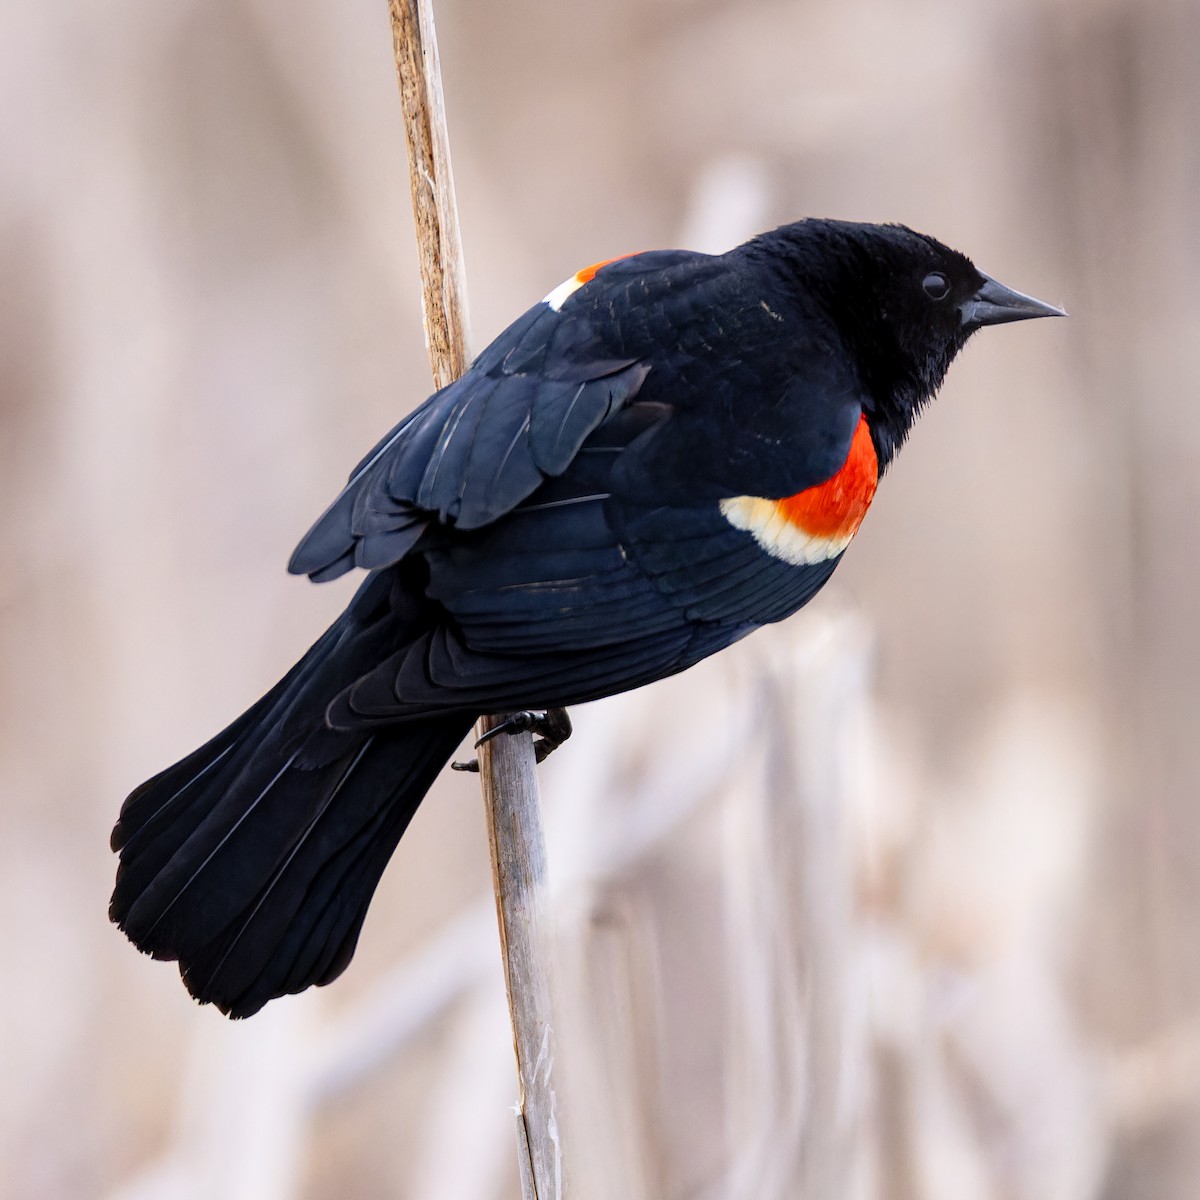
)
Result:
{"points": [[613, 564], [483, 444], [578, 593]]}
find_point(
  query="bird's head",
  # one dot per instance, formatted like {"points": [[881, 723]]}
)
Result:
{"points": [[904, 303]]}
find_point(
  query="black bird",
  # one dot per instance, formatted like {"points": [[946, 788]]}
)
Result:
{"points": [[667, 452]]}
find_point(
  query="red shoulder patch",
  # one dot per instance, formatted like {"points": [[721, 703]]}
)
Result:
{"points": [[557, 298], [816, 524], [589, 273], [835, 508]]}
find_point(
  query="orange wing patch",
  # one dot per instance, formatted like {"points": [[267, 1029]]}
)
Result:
{"points": [[557, 298], [589, 273], [818, 523]]}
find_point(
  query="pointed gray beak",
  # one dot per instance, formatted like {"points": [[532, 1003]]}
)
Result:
{"points": [[995, 304]]}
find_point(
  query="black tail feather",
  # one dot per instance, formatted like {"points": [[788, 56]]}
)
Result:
{"points": [[253, 860]]}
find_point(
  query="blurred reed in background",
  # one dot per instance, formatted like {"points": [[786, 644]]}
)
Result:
{"points": [[895, 901]]}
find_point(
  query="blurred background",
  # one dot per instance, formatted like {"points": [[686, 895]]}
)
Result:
{"points": [[895, 901]]}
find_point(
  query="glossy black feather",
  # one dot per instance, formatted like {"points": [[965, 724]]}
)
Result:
{"points": [[253, 860]]}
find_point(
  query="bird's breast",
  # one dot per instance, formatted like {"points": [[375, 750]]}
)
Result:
{"points": [[816, 524]]}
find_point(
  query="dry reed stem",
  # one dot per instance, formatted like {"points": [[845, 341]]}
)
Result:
{"points": [[507, 767], [435, 211]]}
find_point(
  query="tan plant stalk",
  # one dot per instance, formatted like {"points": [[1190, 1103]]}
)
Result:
{"points": [[507, 767]]}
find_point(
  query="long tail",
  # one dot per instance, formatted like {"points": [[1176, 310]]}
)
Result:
{"points": [[253, 860]]}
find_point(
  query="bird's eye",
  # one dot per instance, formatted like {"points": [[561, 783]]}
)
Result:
{"points": [[936, 286]]}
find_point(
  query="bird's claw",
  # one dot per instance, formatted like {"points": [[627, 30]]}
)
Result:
{"points": [[552, 728]]}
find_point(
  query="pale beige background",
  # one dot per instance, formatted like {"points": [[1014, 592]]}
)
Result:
{"points": [[210, 310]]}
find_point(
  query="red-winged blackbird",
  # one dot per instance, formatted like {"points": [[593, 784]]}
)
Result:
{"points": [[668, 451]]}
